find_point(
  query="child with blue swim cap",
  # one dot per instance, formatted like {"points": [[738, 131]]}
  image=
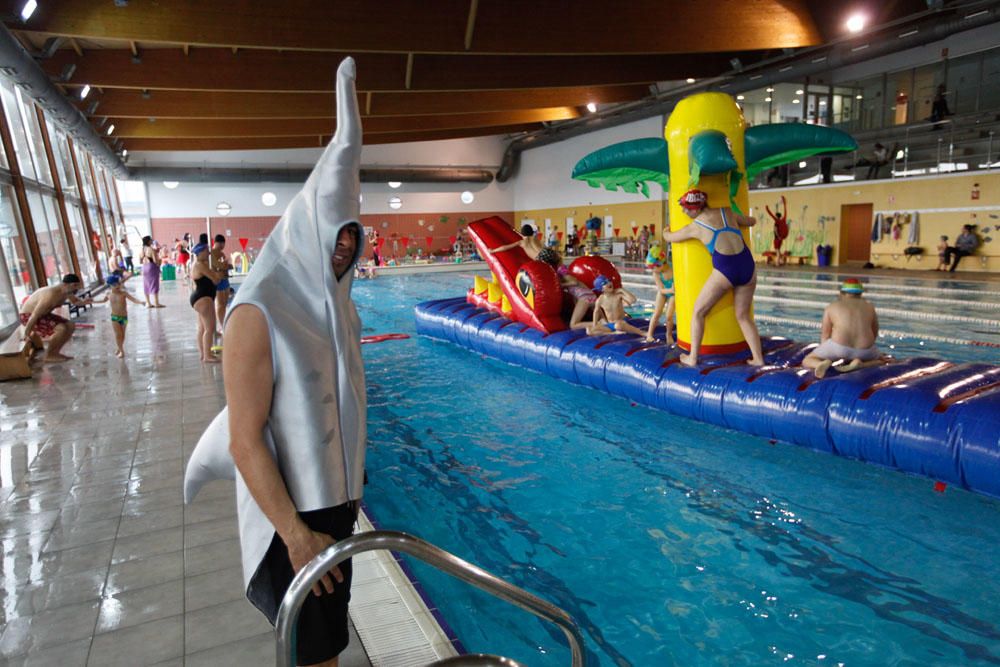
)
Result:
{"points": [[609, 309], [658, 260]]}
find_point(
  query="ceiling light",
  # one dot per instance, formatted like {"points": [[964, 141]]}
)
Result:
{"points": [[395, 203], [767, 99], [795, 101], [269, 199], [769, 90], [740, 97], [28, 9], [822, 102], [689, 80], [591, 107], [909, 33], [467, 197], [859, 97], [900, 154], [786, 68], [856, 23], [124, 153], [224, 208], [111, 128], [394, 184], [802, 164], [171, 185], [975, 14], [85, 91], [798, 92]]}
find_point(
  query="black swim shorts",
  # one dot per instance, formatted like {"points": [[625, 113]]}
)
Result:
{"points": [[321, 633]]}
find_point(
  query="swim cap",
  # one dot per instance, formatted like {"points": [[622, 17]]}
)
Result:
{"points": [[693, 199], [201, 247], [113, 280], [852, 286], [600, 282], [656, 257], [549, 256]]}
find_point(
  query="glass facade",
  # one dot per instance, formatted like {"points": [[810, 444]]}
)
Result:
{"points": [[35, 248]]}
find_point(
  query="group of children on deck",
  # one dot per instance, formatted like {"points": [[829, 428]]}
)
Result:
{"points": [[849, 329]]}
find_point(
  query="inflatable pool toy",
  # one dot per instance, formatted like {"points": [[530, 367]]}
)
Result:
{"points": [[706, 144], [922, 416], [365, 340]]}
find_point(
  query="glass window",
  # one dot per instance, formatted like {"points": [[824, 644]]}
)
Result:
{"points": [[8, 302], [963, 83], [84, 254], [48, 231], [97, 224], [15, 248], [926, 80], [35, 142], [102, 190], [14, 121], [989, 91], [86, 180], [64, 164]]}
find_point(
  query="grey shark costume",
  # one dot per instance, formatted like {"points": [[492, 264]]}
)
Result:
{"points": [[316, 429]]}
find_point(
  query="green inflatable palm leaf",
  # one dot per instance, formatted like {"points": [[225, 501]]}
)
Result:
{"points": [[630, 165], [772, 145]]}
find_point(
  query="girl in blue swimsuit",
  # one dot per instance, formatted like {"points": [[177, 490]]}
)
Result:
{"points": [[733, 269], [663, 280]]}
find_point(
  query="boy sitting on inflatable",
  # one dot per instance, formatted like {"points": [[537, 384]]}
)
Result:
{"points": [[850, 327], [609, 310]]}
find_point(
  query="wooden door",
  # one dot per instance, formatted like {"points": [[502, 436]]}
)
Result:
{"points": [[855, 232]]}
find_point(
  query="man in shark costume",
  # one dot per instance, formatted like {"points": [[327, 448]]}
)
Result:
{"points": [[293, 432]]}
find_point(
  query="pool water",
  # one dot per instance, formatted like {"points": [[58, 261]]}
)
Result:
{"points": [[668, 540]]}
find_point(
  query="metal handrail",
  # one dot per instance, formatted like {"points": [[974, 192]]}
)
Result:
{"points": [[392, 540]]}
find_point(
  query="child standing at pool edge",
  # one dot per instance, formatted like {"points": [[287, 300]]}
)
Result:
{"points": [[118, 296]]}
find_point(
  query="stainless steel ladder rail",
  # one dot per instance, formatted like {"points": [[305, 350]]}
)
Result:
{"points": [[392, 540]]}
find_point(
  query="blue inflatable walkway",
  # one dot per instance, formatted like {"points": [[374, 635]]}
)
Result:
{"points": [[923, 416]]}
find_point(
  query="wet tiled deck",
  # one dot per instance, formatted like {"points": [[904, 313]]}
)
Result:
{"points": [[102, 563]]}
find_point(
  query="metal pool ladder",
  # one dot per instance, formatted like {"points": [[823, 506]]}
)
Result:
{"points": [[446, 562]]}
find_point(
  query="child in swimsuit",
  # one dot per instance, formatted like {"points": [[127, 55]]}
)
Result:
{"points": [[609, 310], [663, 280], [733, 269], [581, 296], [119, 298]]}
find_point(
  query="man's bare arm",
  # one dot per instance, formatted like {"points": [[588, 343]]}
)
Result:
{"points": [[827, 329], [875, 324], [249, 382]]}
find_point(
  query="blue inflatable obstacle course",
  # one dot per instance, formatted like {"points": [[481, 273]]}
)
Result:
{"points": [[923, 416]]}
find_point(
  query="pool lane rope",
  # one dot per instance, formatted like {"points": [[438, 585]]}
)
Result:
{"points": [[871, 284], [832, 291]]}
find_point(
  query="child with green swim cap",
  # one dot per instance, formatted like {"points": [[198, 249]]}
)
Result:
{"points": [[658, 260], [119, 298]]}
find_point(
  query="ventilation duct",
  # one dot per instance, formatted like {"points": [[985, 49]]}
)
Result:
{"points": [[18, 65], [368, 175]]}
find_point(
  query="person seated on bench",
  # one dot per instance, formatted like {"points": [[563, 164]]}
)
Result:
{"points": [[965, 245], [39, 321], [850, 327]]}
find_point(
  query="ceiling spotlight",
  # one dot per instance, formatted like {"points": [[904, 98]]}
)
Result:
{"points": [[769, 90], [795, 101], [689, 80], [798, 92], [740, 97], [394, 184], [124, 153], [171, 185], [85, 91], [859, 97], [822, 103], [900, 154], [767, 99], [111, 128], [591, 107], [802, 164], [28, 9], [856, 23]]}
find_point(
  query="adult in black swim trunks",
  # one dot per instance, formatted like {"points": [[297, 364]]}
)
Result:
{"points": [[203, 301]]}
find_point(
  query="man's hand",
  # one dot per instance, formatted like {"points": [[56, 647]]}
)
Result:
{"points": [[305, 545]]}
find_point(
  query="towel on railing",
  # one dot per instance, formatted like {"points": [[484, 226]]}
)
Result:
{"points": [[877, 228], [914, 236]]}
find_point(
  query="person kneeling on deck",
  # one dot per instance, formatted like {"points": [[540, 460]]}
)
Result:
{"points": [[850, 327], [39, 322], [609, 310]]}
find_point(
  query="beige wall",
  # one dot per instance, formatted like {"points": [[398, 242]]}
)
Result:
{"points": [[944, 204], [649, 212]]}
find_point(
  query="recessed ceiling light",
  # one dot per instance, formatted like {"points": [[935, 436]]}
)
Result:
{"points": [[111, 128], [769, 90], [859, 97], [802, 164], [767, 99], [269, 199], [856, 23], [591, 107], [85, 91], [690, 80], [28, 9], [740, 97], [467, 197], [171, 185], [795, 101], [394, 184], [124, 153], [798, 92]]}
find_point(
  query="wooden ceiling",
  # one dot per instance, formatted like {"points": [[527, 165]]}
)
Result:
{"points": [[241, 74]]}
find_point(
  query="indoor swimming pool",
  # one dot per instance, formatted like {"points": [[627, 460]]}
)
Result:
{"points": [[668, 540]]}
